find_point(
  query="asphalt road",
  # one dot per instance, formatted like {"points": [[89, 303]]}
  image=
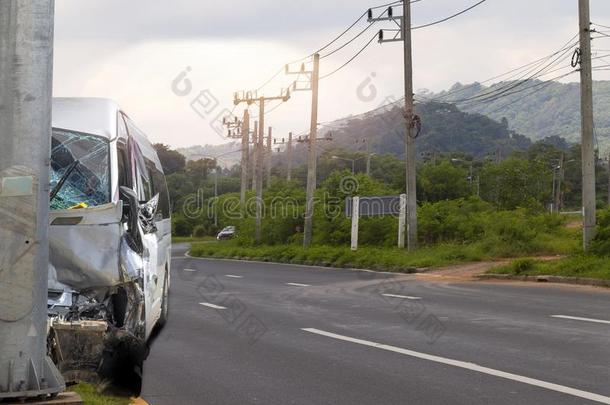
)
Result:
{"points": [[258, 333]]}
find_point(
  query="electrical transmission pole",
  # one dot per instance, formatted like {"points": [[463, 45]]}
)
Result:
{"points": [[250, 98], [404, 35], [288, 152], [289, 169], [259, 170], [587, 140], [254, 154], [241, 130], [268, 157], [26, 77], [245, 152], [314, 76]]}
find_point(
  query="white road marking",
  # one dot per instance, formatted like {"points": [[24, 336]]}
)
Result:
{"points": [[233, 276], [468, 366], [207, 304], [190, 270], [406, 297], [577, 318], [298, 285]]}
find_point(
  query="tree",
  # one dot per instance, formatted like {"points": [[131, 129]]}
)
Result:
{"points": [[171, 160], [443, 181]]}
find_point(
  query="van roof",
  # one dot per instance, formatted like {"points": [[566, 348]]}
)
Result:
{"points": [[95, 116]]}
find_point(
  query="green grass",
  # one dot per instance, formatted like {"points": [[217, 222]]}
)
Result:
{"points": [[91, 396], [391, 259], [563, 241], [580, 265]]}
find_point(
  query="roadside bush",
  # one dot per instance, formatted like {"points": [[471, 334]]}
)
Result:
{"points": [[200, 231], [501, 233], [601, 244], [521, 266], [182, 226]]}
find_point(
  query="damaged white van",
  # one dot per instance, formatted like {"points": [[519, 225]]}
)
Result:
{"points": [[110, 239]]}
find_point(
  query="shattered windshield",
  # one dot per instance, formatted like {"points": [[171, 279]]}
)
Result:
{"points": [[79, 170]]}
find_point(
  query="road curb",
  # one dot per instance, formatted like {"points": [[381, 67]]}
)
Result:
{"points": [[548, 279], [410, 271]]}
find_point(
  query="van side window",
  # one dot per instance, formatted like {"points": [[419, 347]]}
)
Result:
{"points": [[160, 187], [124, 167], [144, 185]]}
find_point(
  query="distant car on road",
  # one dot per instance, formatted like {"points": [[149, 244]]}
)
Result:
{"points": [[227, 233]]}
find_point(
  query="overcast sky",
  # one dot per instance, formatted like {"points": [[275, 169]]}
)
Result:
{"points": [[133, 52]]}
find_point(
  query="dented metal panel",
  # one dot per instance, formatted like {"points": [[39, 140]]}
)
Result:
{"points": [[84, 255]]}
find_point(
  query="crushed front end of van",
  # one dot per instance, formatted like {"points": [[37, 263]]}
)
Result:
{"points": [[96, 313], [109, 244]]}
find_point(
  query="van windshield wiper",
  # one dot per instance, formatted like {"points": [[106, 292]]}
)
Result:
{"points": [[63, 179]]}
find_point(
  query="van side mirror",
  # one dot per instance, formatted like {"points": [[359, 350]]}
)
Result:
{"points": [[133, 206]]}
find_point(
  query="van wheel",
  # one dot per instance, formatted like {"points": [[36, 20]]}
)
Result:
{"points": [[164, 303]]}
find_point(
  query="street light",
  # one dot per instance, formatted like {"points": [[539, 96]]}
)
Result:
{"points": [[216, 159]]}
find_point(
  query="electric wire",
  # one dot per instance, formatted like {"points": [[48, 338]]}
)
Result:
{"points": [[351, 59], [517, 71], [600, 25], [450, 17], [539, 87], [275, 75], [493, 93]]}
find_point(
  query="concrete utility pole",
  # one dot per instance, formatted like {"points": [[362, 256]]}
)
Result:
{"points": [[26, 76], [251, 98], [259, 170], [254, 154], [312, 157], [268, 157], [587, 141], [314, 78], [245, 152], [410, 154], [410, 138], [289, 151]]}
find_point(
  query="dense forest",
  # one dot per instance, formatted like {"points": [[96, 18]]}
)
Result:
{"points": [[544, 109]]}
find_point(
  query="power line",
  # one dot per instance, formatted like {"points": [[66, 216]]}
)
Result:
{"points": [[450, 17], [518, 71], [348, 42], [357, 36], [600, 25], [332, 42], [494, 93], [541, 86], [351, 59], [343, 33]]}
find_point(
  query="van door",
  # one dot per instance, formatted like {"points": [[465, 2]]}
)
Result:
{"points": [[143, 186]]}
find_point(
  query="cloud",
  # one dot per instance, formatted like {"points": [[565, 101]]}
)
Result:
{"points": [[131, 51]]}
